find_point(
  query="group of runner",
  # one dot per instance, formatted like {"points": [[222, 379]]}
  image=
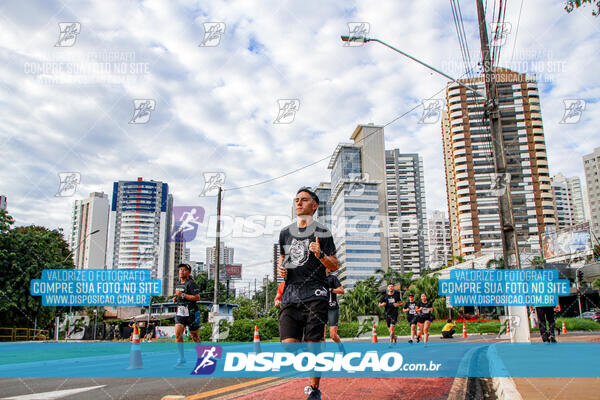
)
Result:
{"points": [[418, 314]]}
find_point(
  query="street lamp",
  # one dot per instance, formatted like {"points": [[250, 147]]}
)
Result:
{"points": [[79, 244], [75, 248], [363, 39], [95, 320]]}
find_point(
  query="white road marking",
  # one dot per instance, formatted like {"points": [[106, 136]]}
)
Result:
{"points": [[52, 395]]}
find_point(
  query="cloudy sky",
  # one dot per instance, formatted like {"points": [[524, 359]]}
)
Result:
{"points": [[67, 101]]}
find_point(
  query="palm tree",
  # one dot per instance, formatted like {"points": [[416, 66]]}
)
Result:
{"points": [[499, 263], [362, 299], [456, 260], [392, 276]]}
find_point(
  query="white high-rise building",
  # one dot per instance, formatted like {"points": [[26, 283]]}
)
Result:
{"points": [[591, 166], [225, 256], [357, 200], [440, 250], [563, 201], [140, 226], [577, 198], [89, 229], [408, 243]]}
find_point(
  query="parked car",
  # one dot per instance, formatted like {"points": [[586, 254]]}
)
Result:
{"points": [[591, 315]]}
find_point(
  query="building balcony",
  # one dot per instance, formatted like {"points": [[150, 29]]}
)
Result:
{"points": [[455, 106], [459, 136], [459, 152], [464, 207]]}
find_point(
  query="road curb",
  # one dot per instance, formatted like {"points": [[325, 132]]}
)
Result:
{"points": [[503, 385]]}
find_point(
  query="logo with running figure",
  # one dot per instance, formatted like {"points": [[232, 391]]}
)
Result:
{"points": [[573, 110], [207, 359], [299, 251], [142, 108], [186, 221], [68, 34]]}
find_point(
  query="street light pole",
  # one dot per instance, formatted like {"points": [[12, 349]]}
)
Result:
{"points": [[578, 289], [75, 248]]}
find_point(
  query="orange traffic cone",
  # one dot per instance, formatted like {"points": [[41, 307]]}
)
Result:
{"points": [[508, 327], [135, 354], [256, 339], [374, 337], [464, 335], [564, 328], [418, 333]]}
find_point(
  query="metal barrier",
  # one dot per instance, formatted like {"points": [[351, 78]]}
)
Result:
{"points": [[17, 334]]}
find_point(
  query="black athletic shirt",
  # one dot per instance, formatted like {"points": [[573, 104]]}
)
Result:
{"points": [[389, 300], [332, 283], [427, 308], [189, 287], [306, 278], [411, 308]]}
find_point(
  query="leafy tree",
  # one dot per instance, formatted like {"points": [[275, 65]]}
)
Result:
{"points": [[596, 283], [573, 4], [393, 276], [539, 260], [24, 253], [427, 284], [362, 299]]}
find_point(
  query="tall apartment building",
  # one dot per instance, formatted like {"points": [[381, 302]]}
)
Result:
{"points": [[358, 199], [473, 187], [450, 184], [225, 255], [407, 217], [2, 202], [89, 229], [563, 202], [577, 198], [176, 256], [140, 226], [591, 166], [440, 251], [323, 213]]}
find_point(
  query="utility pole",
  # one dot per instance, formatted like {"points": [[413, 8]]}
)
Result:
{"points": [[510, 247], [215, 311], [266, 293]]}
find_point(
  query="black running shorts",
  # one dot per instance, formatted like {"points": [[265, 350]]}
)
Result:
{"points": [[303, 321], [192, 321], [391, 319]]}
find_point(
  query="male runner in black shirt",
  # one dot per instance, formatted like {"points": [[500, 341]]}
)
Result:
{"points": [[391, 300], [411, 316], [307, 250], [333, 315], [186, 296]]}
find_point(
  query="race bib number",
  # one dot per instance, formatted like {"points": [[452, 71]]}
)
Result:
{"points": [[182, 311], [411, 312], [426, 310], [391, 300]]}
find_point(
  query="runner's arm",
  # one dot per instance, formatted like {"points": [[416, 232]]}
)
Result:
{"points": [[338, 290]]}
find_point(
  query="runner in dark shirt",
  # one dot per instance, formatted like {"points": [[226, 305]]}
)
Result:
{"points": [[424, 310], [391, 300], [307, 250], [411, 316], [186, 296], [333, 316]]}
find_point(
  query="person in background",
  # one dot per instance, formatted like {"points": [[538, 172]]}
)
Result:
{"points": [[448, 329]]}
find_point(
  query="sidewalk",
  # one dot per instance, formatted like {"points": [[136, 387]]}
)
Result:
{"points": [[559, 388]]}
